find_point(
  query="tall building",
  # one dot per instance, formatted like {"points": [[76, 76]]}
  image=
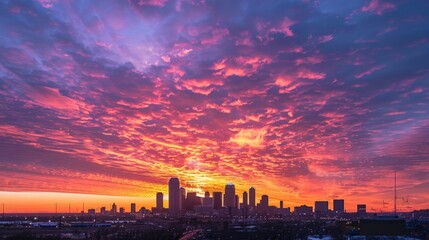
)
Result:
{"points": [[192, 200], [182, 198], [264, 201], [207, 200], [237, 201], [133, 208], [114, 209], [321, 206], [338, 205], [217, 200], [174, 196], [121, 210], [252, 197], [281, 204], [103, 210], [245, 201], [229, 195], [159, 200]]}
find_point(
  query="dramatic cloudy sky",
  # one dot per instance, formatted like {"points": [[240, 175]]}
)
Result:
{"points": [[305, 100]]}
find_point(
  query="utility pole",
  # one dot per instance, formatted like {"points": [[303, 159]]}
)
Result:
{"points": [[395, 194]]}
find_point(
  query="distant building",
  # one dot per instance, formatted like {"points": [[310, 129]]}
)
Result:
{"points": [[91, 211], [264, 201], [207, 200], [339, 205], [321, 206], [245, 200], [252, 197], [121, 210], [174, 196], [217, 200], [229, 195], [281, 204], [103, 210], [182, 198], [303, 209], [114, 209], [192, 200], [237, 201], [361, 209], [263, 204], [159, 200], [133, 208]]}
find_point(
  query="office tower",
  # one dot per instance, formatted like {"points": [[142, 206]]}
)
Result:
{"points": [[229, 195], [245, 202], [159, 201], [217, 200], [133, 208], [192, 200], [303, 210], [236, 201], [121, 210], [361, 209], [338, 205], [207, 200], [182, 198], [91, 211], [114, 209], [252, 197], [103, 210], [281, 204], [264, 201], [321, 206], [174, 196]]}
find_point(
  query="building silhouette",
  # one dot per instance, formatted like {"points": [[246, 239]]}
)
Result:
{"points": [[159, 201], [361, 209], [182, 198], [245, 200], [217, 200], [321, 206], [303, 210], [174, 196], [252, 197], [229, 195], [133, 208], [339, 205], [114, 209]]}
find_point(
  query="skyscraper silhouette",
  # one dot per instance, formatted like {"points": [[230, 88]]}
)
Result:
{"points": [[245, 203], [229, 195], [252, 197], [338, 205], [159, 201], [217, 200], [174, 196]]}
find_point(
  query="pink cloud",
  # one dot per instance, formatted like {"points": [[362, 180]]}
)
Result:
{"points": [[378, 7], [52, 98], [311, 75], [47, 3], [217, 36], [284, 27], [326, 38], [157, 3], [368, 72]]}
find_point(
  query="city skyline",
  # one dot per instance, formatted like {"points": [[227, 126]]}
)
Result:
{"points": [[104, 101]]}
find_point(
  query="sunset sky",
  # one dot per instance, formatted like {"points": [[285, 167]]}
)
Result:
{"points": [[104, 101]]}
